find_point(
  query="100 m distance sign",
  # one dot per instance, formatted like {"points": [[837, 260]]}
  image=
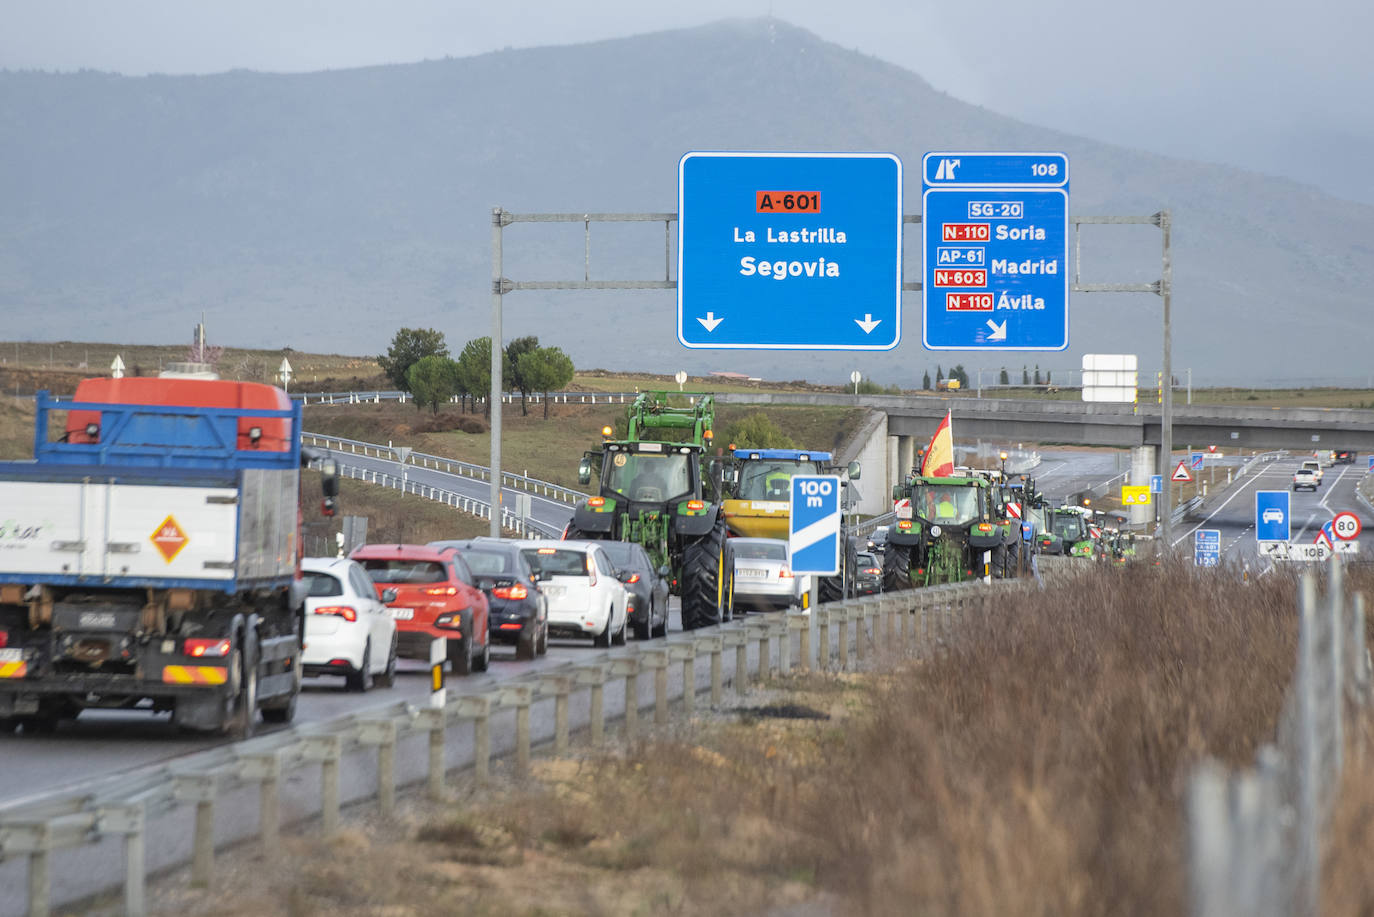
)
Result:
{"points": [[795, 251]]}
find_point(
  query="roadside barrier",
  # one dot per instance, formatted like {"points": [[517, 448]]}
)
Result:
{"points": [[74, 843]]}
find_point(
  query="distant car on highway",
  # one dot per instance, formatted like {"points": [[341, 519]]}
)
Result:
{"points": [[348, 628], [1314, 466], [1273, 514], [763, 575], [646, 588], [1345, 456], [519, 614], [1305, 479], [868, 574], [436, 599], [585, 597]]}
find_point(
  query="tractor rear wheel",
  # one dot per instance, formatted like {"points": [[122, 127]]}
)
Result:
{"points": [[702, 587], [896, 567]]}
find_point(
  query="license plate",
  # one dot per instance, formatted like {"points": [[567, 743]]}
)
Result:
{"points": [[753, 573], [554, 592], [12, 654], [402, 614]]}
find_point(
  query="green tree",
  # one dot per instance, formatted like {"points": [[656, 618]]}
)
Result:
{"points": [[925, 381], [1037, 373], [474, 369], [939, 376], [545, 369], [433, 380], [1004, 379], [958, 373], [1025, 375], [408, 347], [757, 431], [514, 351]]}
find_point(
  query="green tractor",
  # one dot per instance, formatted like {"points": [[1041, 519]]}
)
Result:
{"points": [[1068, 533], [652, 493], [944, 528]]}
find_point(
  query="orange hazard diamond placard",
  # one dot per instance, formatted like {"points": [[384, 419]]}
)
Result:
{"points": [[169, 538]]}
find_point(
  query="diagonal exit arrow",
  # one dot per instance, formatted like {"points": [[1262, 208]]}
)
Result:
{"points": [[868, 323], [710, 321], [999, 332]]}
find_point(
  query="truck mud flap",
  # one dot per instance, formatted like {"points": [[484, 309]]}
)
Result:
{"points": [[273, 679]]}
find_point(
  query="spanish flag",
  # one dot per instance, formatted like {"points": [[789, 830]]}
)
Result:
{"points": [[938, 461]]}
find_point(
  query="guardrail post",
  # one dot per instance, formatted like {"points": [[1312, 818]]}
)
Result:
{"points": [[628, 668], [841, 615], [199, 789], [382, 734], [657, 659], [714, 644], [686, 653], [887, 609], [594, 676], [520, 696], [859, 613], [782, 629], [802, 622], [265, 767], [327, 750], [128, 820], [762, 634], [478, 706], [431, 720], [822, 613], [40, 882], [562, 687]]}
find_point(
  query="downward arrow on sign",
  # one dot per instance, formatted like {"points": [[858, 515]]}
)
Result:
{"points": [[710, 321], [999, 332], [867, 323]]}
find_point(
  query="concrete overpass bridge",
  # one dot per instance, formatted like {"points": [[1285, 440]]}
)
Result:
{"points": [[904, 422]]}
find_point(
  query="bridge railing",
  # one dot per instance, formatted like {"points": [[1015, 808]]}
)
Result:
{"points": [[70, 844]]}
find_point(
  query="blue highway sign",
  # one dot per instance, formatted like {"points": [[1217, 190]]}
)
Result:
{"points": [[1207, 547], [1156, 483], [1195, 460], [1271, 515], [995, 230], [814, 527], [790, 251]]}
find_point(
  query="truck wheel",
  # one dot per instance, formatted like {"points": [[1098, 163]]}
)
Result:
{"points": [[285, 712], [460, 656], [896, 567], [360, 682], [702, 583], [241, 707]]}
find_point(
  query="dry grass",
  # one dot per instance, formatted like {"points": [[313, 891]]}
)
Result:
{"points": [[392, 517], [1035, 766]]}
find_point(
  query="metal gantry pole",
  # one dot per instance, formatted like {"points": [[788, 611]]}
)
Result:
{"points": [[1166, 424], [496, 354]]}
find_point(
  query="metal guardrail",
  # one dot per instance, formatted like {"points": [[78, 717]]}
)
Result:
{"points": [[369, 753], [533, 486], [377, 396]]}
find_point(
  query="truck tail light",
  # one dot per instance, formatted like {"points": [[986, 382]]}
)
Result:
{"points": [[346, 612], [695, 506], [596, 501], [200, 646], [4, 639], [518, 591]]}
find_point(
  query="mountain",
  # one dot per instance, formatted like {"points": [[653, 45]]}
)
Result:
{"points": [[323, 211]]}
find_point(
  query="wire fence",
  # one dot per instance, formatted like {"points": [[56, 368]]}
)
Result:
{"points": [[1255, 837]]}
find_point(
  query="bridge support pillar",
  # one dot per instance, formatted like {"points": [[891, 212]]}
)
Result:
{"points": [[906, 455], [1142, 467], [894, 467]]}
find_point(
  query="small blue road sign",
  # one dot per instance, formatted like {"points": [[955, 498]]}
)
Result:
{"points": [[1156, 483], [1027, 530], [1195, 460], [790, 251], [1207, 547], [995, 230], [1271, 515], [813, 535]]}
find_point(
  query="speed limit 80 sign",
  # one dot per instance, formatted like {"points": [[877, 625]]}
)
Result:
{"points": [[1346, 526]]}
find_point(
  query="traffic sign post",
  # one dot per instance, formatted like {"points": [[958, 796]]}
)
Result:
{"points": [[995, 230], [789, 251], [813, 536], [1272, 515], [1207, 547]]}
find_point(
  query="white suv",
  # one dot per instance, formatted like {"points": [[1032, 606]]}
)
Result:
{"points": [[1314, 466], [578, 579], [1304, 479]]}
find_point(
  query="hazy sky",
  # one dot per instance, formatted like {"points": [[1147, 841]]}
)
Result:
{"points": [[1286, 88]]}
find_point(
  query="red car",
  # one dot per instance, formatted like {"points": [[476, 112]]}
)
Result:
{"points": [[436, 598]]}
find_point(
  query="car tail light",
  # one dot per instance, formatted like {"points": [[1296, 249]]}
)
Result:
{"points": [[346, 612], [784, 573], [199, 646], [442, 590], [695, 506], [634, 578], [591, 571], [341, 663], [449, 622], [511, 626], [517, 591], [873, 570], [4, 638]]}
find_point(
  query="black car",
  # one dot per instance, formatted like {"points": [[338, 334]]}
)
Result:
{"points": [[519, 613], [1345, 456], [868, 574], [646, 587]]}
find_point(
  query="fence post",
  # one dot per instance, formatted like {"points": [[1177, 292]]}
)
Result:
{"points": [[128, 820], [265, 768], [802, 622], [199, 789], [782, 629], [594, 678], [686, 652], [842, 613], [382, 735], [628, 668], [432, 719], [478, 707]]}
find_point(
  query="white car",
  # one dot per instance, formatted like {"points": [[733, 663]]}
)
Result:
{"points": [[763, 575], [578, 579], [1315, 467], [348, 631]]}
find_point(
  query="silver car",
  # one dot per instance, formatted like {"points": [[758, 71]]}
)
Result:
{"points": [[763, 575]]}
